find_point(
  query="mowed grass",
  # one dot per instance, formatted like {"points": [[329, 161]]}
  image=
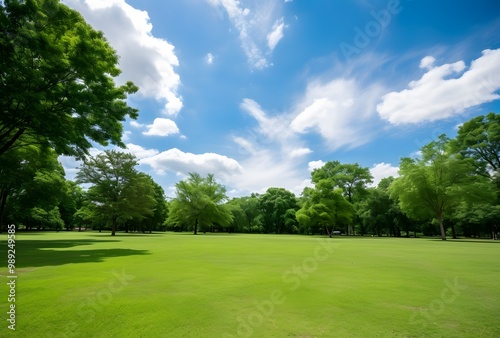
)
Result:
{"points": [[90, 284]]}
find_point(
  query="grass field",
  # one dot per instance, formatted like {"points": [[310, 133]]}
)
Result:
{"points": [[179, 285]]}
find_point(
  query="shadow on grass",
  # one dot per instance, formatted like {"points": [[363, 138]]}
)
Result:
{"points": [[37, 253]]}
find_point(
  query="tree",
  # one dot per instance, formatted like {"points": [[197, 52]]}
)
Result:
{"points": [[56, 80], [479, 139], [351, 178], [118, 192], [246, 214], [200, 200], [435, 184], [30, 177], [324, 207], [278, 207]]}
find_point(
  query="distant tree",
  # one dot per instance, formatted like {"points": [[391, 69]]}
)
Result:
{"points": [[436, 184], [199, 200], [351, 178], [278, 207], [324, 207], [246, 214], [71, 201], [118, 192], [155, 220], [56, 80]]}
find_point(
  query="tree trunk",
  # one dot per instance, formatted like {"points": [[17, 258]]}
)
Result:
{"points": [[113, 225], [3, 201], [441, 227], [196, 226], [453, 233]]}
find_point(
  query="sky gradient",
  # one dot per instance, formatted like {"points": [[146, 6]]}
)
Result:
{"points": [[261, 92]]}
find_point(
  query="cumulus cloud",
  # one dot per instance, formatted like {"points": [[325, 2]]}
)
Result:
{"points": [[258, 25], [382, 170], [444, 91], [177, 161], [162, 127], [427, 62], [144, 59], [140, 152], [315, 165], [268, 168], [340, 110]]}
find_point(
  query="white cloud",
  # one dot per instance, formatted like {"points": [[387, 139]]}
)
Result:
{"points": [[382, 170], [245, 144], [140, 152], [274, 128], [276, 34], [268, 168], [299, 152], [257, 25], [126, 135], [427, 62], [209, 58], [162, 127], [315, 165], [144, 59], [273, 154], [136, 124], [340, 110], [441, 93], [177, 161]]}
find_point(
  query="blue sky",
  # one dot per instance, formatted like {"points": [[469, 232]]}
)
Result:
{"points": [[261, 92]]}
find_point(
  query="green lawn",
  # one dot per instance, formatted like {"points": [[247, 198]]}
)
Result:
{"points": [[179, 285]]}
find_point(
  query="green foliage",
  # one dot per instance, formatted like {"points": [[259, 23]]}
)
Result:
{"points": [[199, 201], [431, 187], [324, 208], [278, 207], [118, 192], [246, 214], [479, 139], [30, 177], [56, 83], [351, 178]]}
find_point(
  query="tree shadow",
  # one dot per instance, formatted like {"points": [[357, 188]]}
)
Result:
{"points": [[38, 253]]}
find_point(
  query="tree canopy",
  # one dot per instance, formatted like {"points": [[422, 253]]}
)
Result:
{"points": [[199, 200], [435, 184], [118, 192], [56, 80]]}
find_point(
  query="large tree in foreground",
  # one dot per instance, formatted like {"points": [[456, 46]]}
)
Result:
{"points": [[118, 192], [56, 80], [434, 185], [200, 200]]}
